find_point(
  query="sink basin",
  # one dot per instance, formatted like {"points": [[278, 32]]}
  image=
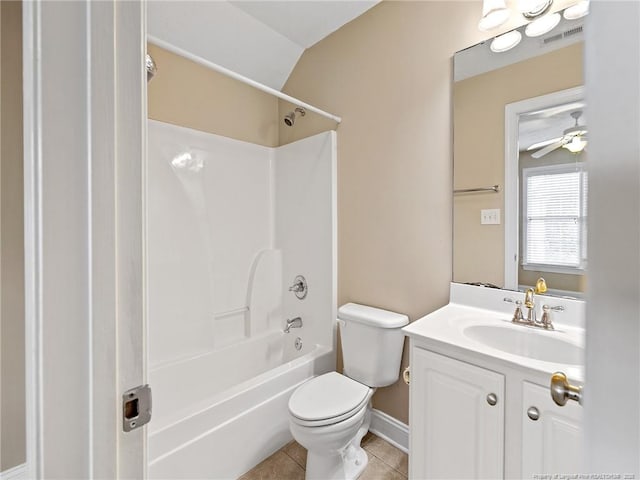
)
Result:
{"points": [[527, 342]]}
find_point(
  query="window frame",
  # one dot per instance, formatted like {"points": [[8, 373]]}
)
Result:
{"points": [[557, 169]]}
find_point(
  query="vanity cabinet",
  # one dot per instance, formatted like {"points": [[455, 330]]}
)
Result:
{"points": [[480, 420], [457, 415], [551, 435], [480, 403]]}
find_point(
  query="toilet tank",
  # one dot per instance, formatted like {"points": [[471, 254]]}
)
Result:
{"points": [[372, 342]]}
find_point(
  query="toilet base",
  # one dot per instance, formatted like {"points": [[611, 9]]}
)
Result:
{"points": [[347, 465]]}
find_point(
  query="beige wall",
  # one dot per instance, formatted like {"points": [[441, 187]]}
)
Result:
{"points": [[479, 104], [187, 94], [388, 75], [12, 431]]}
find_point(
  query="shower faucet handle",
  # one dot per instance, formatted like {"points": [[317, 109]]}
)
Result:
{"points": [[299, 287]]}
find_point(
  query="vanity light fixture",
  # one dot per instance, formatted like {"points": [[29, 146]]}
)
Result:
{"points": [[506, 42], [578, 10], [542, 25], [494, 14]]}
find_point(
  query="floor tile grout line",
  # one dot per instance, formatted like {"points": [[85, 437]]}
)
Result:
{"points": [[364, 446], [283, 449], [383, 461]]}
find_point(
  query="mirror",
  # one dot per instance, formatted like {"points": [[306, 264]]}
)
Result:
{"points": [[519, 192]]}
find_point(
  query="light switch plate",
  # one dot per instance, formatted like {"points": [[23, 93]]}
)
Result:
{"points": [[490, 216]]}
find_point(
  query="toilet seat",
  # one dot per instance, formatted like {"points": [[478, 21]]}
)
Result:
{"points": [[328, 399]]}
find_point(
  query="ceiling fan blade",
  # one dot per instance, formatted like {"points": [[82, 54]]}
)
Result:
{"points": [[549, 148], [544, 143]]}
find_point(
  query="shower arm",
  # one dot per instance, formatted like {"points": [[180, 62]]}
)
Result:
{"points": [[230, 73]]}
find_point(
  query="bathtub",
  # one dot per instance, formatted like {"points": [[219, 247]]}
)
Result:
{"points": [[212, 422]]}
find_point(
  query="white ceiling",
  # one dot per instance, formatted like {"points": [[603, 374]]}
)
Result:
{"points": [[548, 124], [262, 40]]}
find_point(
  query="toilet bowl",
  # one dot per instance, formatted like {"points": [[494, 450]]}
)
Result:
{"points": [[329, 414]]}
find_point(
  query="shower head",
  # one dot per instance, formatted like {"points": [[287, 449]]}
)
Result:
{"points": [[290, 118], [151, 67]]}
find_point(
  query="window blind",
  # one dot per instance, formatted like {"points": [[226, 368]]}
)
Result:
{"points": [[555, 216]]}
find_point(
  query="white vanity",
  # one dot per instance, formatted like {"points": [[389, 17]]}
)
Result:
{"points": [[480, 403]]}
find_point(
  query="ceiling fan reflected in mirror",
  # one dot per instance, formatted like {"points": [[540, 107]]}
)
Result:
{"points": [[573, 139]]}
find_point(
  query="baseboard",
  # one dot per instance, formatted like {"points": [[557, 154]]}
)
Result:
{"points": [[15, 473], [390, 429]]}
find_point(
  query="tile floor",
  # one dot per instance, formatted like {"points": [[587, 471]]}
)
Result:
{"points": [[386, 462]]}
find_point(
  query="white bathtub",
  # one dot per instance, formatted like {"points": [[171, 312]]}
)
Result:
{"points": [[219, 414]]}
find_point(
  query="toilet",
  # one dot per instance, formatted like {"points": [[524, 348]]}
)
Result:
{"points": [[329, 414]]}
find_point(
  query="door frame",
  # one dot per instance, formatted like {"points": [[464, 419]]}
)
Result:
{"points": [[84, 87], [64, 328], [512, 112]]}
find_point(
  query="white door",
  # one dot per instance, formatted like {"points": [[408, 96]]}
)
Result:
{"points": [[611, 413], [84, 128], [552, 436], [457, 418]]}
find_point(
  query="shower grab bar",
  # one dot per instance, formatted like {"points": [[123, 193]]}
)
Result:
{"points": [[230, 73], [494, 188]]}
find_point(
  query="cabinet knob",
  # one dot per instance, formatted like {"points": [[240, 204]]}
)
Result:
{"points": [[533, 413], [492, 399]]}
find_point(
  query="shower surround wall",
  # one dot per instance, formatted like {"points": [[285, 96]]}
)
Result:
{"points": [[230, 224]]}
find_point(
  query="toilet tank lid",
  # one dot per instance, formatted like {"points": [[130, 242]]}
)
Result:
{"points": [[376, 317]]}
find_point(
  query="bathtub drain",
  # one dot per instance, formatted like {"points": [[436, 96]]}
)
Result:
{"points": [[298, 343]]}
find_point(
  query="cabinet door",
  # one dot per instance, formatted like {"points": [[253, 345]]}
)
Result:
{"points": [[455, 431], [553, 443]]}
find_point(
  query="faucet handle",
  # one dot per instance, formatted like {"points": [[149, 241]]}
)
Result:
{"points": [[517, 315], [546, 318], [299, 287], [557, 308]]}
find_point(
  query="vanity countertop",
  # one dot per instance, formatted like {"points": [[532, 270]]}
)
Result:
{"points": [[489, 332]]}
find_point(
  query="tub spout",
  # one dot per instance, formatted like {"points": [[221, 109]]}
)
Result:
{"points": [[293, 323]]}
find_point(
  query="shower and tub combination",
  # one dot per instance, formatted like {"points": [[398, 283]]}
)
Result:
{"points": [[231, 228]]}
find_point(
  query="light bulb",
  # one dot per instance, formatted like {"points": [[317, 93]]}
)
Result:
{"points": [[542, 25], [494, 14], [576, 145], [576, 11], [506, 42]]}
